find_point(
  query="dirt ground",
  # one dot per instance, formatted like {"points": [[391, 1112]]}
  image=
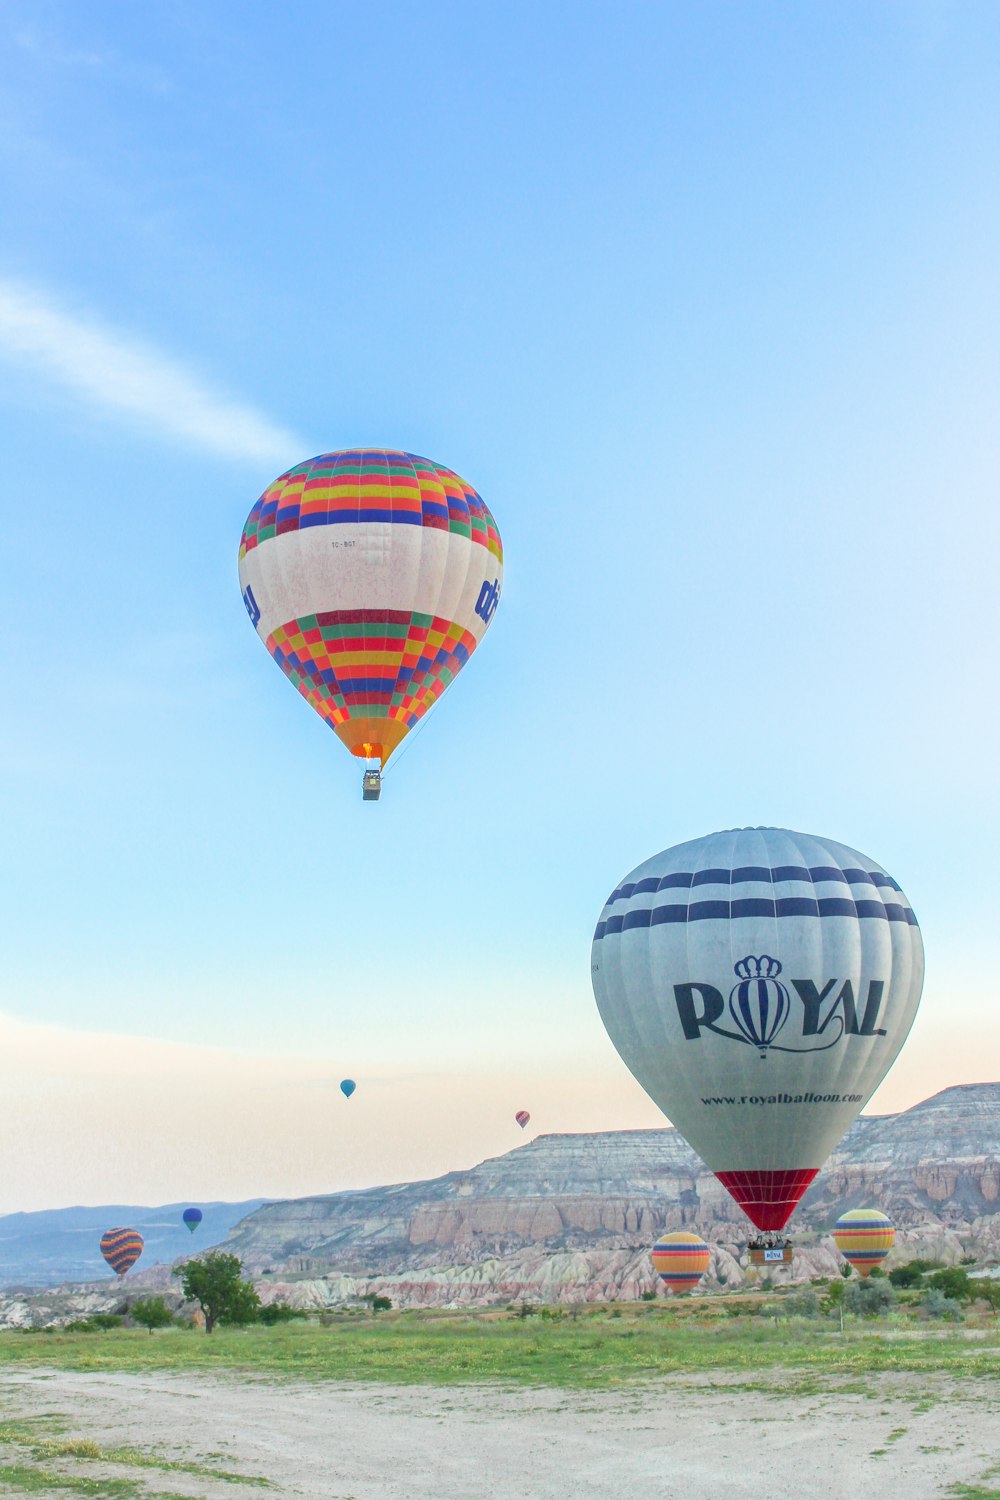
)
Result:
{"points": [[693, 1439]]}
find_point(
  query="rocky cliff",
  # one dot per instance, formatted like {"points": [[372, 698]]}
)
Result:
{"points": [[572, 1216]]}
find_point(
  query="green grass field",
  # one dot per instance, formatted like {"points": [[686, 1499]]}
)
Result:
{"points": [[601, 1348]]}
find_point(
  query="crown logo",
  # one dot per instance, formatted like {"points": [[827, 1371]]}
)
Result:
{"points": [[764, 967]]}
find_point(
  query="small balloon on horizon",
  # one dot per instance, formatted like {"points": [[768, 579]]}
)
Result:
{"points": [[347, 1087]]}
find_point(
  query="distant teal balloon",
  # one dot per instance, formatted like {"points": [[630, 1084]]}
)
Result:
{"points": [[192, 1218], [347, 1087]]}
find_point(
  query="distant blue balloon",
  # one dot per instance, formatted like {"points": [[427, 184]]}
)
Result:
{"points": [[192, 1218], [347, 1087]]}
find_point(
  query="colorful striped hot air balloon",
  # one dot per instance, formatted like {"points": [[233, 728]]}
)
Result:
{"points": [[864, 1237], [681, 1259], [121, 1249], [522, 1117], [371, 576], [192, 1218]]}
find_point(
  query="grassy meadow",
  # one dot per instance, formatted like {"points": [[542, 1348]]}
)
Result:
{"points": [[591, 1347]]}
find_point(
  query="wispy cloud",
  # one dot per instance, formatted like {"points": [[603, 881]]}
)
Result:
{"points": [[113, 370]]}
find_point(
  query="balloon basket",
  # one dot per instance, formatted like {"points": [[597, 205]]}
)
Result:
{"points": [[770, 1255], [371, 786]]}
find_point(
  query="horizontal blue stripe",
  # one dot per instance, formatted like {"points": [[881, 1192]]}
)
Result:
{"points": [[760, 874], [789, 906]]}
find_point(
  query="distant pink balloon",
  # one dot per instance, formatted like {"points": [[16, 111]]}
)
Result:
{"points": [[522, 1117]]}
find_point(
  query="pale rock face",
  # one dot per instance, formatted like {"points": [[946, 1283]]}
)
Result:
{"points": [[571, 1218]]}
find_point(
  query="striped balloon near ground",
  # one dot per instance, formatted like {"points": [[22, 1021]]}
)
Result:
{"points": [[681, 1260], [864, 1237], [121, 1249]]}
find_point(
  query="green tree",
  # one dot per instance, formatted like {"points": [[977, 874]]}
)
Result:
{"points": [[908, 1275], [954, 1282], [151, 1312], [215, 1282], [988, 1291]]}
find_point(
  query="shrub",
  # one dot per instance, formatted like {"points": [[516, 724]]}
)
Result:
{"points": [[97, 1323], [279, 1312], [934, 1304], [869, 1299], [804, 1304]]}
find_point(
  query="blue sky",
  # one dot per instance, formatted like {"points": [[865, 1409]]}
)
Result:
{"points": [[703, 300]]}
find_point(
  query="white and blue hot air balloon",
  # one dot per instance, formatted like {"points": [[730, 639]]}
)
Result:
{"points": [[759, 984]]}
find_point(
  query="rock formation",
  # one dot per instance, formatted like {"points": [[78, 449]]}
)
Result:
{"points": [[571, 1217]]}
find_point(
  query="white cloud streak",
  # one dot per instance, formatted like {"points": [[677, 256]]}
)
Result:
{"points": [[111, 370]]}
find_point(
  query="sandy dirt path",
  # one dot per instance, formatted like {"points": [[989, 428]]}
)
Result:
{"points": [[693, 1439]]}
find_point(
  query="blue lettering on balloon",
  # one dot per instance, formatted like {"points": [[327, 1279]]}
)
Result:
{"points": [[253, 608], [489, 598]]}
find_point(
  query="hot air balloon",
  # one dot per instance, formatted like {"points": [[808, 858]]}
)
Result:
{"points": [[121, 1249], [371, 576], [681, 1259], [522, 1117], [192, 1218], [864, 1237], [759, 984], [347, 1087]]}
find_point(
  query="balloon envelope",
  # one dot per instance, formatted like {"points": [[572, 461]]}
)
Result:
{"points": [[759, 984], [192, 1218], [864, 1237], [121, 1249], [347, 1087], [371, 576], [681, 1260], [522, 1117]]}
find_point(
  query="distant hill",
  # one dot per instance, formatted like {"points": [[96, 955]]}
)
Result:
{"points": [[568, 1215], [61, 1244]]}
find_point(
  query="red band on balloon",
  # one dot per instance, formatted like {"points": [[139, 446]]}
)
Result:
{"points": [[768, 1198]]}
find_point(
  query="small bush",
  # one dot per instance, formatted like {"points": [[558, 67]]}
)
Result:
{"points": [[869, 1299], [647, 1296], [96, 1323], [804, 1304], [934, 1304], [279, 1312]]}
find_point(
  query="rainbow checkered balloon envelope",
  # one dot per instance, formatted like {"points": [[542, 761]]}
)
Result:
{"points": [[371, 576], [864, 1237], [121, 1249], [681, 1259]]}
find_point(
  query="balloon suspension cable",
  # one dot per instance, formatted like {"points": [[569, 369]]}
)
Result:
{"points": [[408, 741]]}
